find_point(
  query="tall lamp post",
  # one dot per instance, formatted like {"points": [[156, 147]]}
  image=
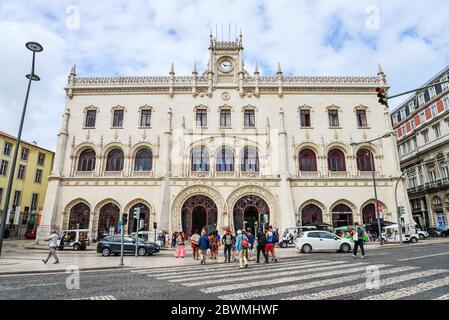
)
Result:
{"points": [[34, 47], [387, 135]]}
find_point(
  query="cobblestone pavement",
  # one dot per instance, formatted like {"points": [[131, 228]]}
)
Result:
{"points": [[412, 272]]}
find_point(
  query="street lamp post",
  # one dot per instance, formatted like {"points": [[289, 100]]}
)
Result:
{"points": [[34, 47], [374, 181]]}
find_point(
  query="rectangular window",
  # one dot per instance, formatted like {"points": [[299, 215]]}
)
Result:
{"points": [[91, 116], [412, 124], [422, 118], [444, 170], [21, 172], [118, 119], [433, 110], [415, 144], [425, 135], [305, 118], [201, 118], [38, 176], [24, 154], [250, 120], [446, 103], [361, 118], [7, 149], [402, 113], [432, 174], [432, 92], [225, 118], [16, 200], [333, 118], [437, 130], [407, 111], [3, 168], [41, 158], [409, 146], [145, 118], [421, 99], [445, 85], [34, 202], [412, 105]]}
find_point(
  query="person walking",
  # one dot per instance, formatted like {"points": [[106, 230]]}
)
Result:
{"points": [[53, 245], [271, 242], [241, 246], [213, 243], [173, 239], [359, 233], [194, 239], [203, 245], [249, 252], [261, 241], [228, 241], [180, 245]]}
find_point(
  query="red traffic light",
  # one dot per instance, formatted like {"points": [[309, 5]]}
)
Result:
{"points": [[380, 90]]}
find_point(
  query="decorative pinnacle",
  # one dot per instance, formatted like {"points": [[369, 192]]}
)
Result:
{"points": [[194, 68], [256, 71], [73, 71], [279, 68], [172, 69], [380, 70]]}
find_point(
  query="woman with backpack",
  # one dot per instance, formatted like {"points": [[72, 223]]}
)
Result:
{"points": [[241, 246], [180, 247]]}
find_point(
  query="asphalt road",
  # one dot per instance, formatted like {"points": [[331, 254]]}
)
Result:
{"points": [[411, 272]]}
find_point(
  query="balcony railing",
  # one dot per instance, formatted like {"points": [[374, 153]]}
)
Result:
{"points": [[338, 174], [445, 181], [367, 174], [143, 173], [113, 174], [437, 206], [309, 174], [84, 174]]}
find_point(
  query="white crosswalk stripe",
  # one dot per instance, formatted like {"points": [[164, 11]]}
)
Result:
{"points": [[269, 282], [362, 286], [411, 290], [96, 298], [443, 297], [216, 275], [199, 273], [273, 291]]}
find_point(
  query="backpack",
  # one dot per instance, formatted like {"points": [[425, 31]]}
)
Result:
{"points": [[245, 242]]}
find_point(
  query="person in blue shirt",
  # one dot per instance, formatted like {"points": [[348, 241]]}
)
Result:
{"points": [[203, 245], [241, 249], [249, 252]]}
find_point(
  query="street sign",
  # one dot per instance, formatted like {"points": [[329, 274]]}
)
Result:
{"points": [[142, 223], [17, 215]]}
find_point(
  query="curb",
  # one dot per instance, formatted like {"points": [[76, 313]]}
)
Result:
{"points": [[60, 270]]}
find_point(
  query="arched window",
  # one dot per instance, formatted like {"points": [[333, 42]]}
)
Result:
{"points": [[341, 216], [365, 160], [250, 160], [200, 159], [144, 160], [336, 160], [225, 160], [79, 217], [115, 160], [307, 160], [87, 160], [436, 202]]}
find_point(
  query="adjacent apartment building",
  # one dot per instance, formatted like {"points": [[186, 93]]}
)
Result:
{"points": [[422, 127], [220, 148], [30, 183]]}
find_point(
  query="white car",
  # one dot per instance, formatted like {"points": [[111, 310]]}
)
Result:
{"points": [[322, 241]]}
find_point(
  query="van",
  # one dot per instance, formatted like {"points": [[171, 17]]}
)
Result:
{"points": [[391, 234], [77, 239]]}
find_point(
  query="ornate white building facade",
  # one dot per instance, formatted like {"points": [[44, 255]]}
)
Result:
{"points": [[221, 148]]}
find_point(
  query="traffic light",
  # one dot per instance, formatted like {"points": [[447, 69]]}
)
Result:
{"points": [[401, 211], [125, 218], [137, 213], [382, 95], [154, 225]]}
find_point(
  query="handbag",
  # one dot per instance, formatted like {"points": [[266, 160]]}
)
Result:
{"points": [[355, 236]]}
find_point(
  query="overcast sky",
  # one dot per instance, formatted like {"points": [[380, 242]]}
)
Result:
{"points": [[108, 38]]}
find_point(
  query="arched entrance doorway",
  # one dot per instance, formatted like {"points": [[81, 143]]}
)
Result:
{"points": [[341, 216], [369, 213], [108, 220], [199, 212], [247, 212], [144, 215], [311, 214], [79, 217]]}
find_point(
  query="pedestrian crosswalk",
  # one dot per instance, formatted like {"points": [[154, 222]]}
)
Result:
{"points": [[306, 279]]}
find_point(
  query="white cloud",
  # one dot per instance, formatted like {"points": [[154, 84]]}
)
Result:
{"points": [[143, 38]]}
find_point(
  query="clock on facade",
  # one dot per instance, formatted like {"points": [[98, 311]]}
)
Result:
{"points": [[225, 65]]}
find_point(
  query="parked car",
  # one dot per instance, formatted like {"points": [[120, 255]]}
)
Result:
{"points": [[112, 245], [31, 234], [445, 233], [144, 237], [322, 241], [76, 239], [434, 232], [290, 235]]}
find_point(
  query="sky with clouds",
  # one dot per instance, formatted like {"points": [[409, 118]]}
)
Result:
{"points": [[136, 37]]}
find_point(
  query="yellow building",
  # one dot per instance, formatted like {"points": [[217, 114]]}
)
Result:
{"points": [[33, 167]]}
